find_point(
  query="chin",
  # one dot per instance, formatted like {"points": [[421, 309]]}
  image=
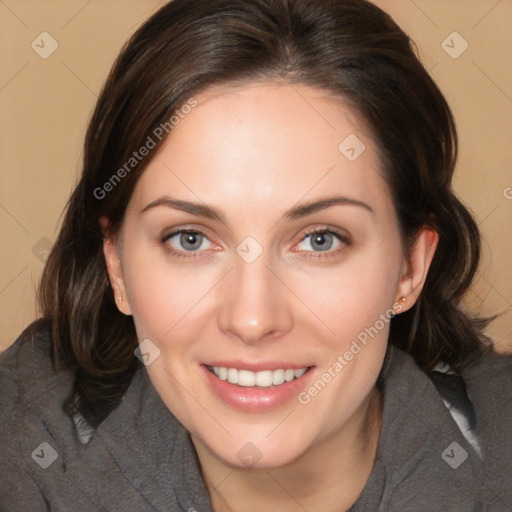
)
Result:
{"points": [[260, 447]]}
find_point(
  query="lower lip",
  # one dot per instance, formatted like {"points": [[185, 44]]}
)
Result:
{"points": [[256, 399]]}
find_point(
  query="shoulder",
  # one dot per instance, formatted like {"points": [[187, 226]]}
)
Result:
{"points": [[35, 337], [490, 368], [46, 465], [31, 384], [28, 384], [22, 363], [428, 421], [26, 366], [32, 389], [489, 387]]}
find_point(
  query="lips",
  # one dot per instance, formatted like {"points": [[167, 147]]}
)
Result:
{"points": [[254, 390]]}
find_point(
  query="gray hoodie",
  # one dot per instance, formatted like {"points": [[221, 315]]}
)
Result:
{"points": [[142, 459]]}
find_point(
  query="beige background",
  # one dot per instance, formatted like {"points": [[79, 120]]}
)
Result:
{"points": [[46, 103]]}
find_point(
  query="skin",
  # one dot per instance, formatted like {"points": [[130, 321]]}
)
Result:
{"points": [[254, 152]]}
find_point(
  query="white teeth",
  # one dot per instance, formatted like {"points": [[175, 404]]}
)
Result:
{"points": [[246, 378], [265, 378], [233, 375], [277, 377], [289, 375]]}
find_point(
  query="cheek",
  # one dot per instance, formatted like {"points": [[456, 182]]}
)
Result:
{"points": [[351, 297], [161, 294], [355, 302], [357, 306]]}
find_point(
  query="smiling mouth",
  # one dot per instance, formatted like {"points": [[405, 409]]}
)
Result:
{"points": [[261, 379]]}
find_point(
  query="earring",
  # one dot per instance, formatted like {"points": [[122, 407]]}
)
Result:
{"points": [[120, 299], [402, 302]]}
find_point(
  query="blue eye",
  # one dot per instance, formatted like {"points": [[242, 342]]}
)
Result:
{"points": [[187, 240], [192, 244], [322, 241]]}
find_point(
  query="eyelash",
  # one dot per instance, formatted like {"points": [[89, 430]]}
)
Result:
{"points": [[342, 238], [183, 255], [194, 255]]}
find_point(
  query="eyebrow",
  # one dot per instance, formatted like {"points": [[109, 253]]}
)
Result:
{"points": [[209, 212], [198, 209], [321, 204]]}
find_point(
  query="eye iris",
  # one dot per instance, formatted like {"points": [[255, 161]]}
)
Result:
{"points": [[190, 241], [321, 241]]}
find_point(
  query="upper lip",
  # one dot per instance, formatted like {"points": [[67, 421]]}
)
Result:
{"points": [[258, 366]]}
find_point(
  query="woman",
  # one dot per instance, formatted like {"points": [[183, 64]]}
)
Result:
{"points": [[257, 281]]}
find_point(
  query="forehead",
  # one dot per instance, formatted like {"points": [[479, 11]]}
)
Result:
{"points": [[265, 144]]}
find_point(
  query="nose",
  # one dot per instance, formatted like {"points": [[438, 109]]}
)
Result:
{"points": [[254, 303]]}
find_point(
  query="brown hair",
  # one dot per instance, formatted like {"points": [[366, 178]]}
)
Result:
{"points": [[350, 48]]}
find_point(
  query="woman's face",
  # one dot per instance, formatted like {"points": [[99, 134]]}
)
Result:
{"points": [[262, 240]]}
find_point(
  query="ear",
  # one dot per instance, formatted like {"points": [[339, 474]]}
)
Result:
{"points": [[111, 251], [414, 271]]}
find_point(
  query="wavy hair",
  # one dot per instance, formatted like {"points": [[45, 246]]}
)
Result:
{"points": [[350, 48]]}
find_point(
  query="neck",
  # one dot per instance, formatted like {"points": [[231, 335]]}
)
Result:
{"points": [[330, 476]]}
